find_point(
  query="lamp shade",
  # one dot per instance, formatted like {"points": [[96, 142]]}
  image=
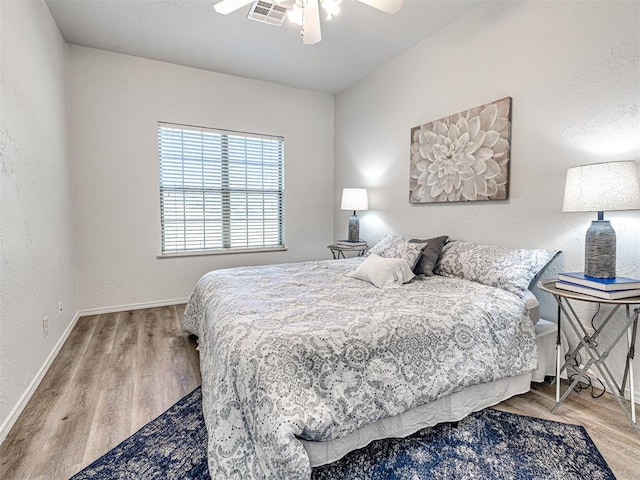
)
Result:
{"points": [[601, 187], [354, 199]]}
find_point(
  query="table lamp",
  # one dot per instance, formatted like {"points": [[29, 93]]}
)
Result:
{"points": [[354, 199], [598, 188]]}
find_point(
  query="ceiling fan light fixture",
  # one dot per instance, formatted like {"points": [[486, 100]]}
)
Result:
{"points": [[331, 7], [295, 15], [304, 13]]}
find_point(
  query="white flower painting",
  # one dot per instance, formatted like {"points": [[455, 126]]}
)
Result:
{"points": [[462, 157]]}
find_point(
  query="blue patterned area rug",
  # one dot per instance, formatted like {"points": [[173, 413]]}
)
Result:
{"points": [[486, 445]]}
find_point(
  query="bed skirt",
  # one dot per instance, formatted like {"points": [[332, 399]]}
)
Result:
{"points": [[448, 409]]}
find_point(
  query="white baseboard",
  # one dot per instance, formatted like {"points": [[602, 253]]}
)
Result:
{"points": [[26, 396], [133, 306]]}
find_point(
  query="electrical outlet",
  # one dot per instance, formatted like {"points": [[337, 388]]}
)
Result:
{"points": [[59, 309], [45, 325]]}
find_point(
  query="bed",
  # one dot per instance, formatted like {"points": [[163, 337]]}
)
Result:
{"points": [[302, 363]]}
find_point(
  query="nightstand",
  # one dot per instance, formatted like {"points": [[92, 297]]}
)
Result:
{"points": [[338, 251], [597, 354]]}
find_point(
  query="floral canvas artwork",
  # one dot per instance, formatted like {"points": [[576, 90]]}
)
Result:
{"points": [[462, 157]]}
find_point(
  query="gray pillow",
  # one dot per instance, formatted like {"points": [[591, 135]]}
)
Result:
{"points": [[430, 254]]}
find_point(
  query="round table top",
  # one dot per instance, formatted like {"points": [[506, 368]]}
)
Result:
{"points": [[348, 247], [550, 287]]}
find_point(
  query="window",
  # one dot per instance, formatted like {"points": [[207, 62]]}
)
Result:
{"points": [[220, 190]]}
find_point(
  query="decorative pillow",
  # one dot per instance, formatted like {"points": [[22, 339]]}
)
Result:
{"points": [[511, 269], [383, 272], [430, 254], [397, 246], [533, 306], [386, 244]]}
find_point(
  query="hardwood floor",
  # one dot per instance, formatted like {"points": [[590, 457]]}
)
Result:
{"points": [[118, 371], [115, 373]]}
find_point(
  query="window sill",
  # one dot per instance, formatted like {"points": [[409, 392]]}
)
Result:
{"points": [[223, 252]]}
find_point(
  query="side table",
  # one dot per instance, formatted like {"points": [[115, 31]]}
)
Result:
{"points": [[597, 354], [338, 250]]}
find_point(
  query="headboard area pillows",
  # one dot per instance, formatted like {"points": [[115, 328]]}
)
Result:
{"points": [[383, 272], [430, 253], [421, 255], [511, 269], [397, 246]]}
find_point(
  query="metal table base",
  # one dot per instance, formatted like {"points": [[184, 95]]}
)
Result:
{"points": [[596, 355]]}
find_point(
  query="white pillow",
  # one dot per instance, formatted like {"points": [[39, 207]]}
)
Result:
{"points": [[383, 272]]}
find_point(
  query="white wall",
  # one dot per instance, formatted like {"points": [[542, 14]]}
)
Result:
{"points": [[116, 102], [572, 69], [37, 247]]}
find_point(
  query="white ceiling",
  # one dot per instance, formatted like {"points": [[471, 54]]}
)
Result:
{"points": [[190, 32]]}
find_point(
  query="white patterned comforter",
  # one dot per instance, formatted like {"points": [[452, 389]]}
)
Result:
{"points": [[301, 350]]}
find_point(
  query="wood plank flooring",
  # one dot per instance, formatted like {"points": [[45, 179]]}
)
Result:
{"points": [[116, 372]]}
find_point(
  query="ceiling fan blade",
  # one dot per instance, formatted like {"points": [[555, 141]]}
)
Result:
{"points": [[227, 6], [387, 6], [311, 23]]}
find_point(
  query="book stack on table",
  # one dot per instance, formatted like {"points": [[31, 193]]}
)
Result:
{"points": [[349, 243], [607, 288]]}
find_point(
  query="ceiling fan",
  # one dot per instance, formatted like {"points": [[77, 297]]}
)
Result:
{"points": [[306, 13]]}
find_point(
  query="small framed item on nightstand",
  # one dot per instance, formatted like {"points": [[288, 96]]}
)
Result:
{"points": [[339, 248]]}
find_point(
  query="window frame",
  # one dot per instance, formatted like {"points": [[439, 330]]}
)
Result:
{"points": [[225, 193]]}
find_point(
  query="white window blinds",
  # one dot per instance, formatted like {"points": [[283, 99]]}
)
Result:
{"points": [[219, 190]]}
